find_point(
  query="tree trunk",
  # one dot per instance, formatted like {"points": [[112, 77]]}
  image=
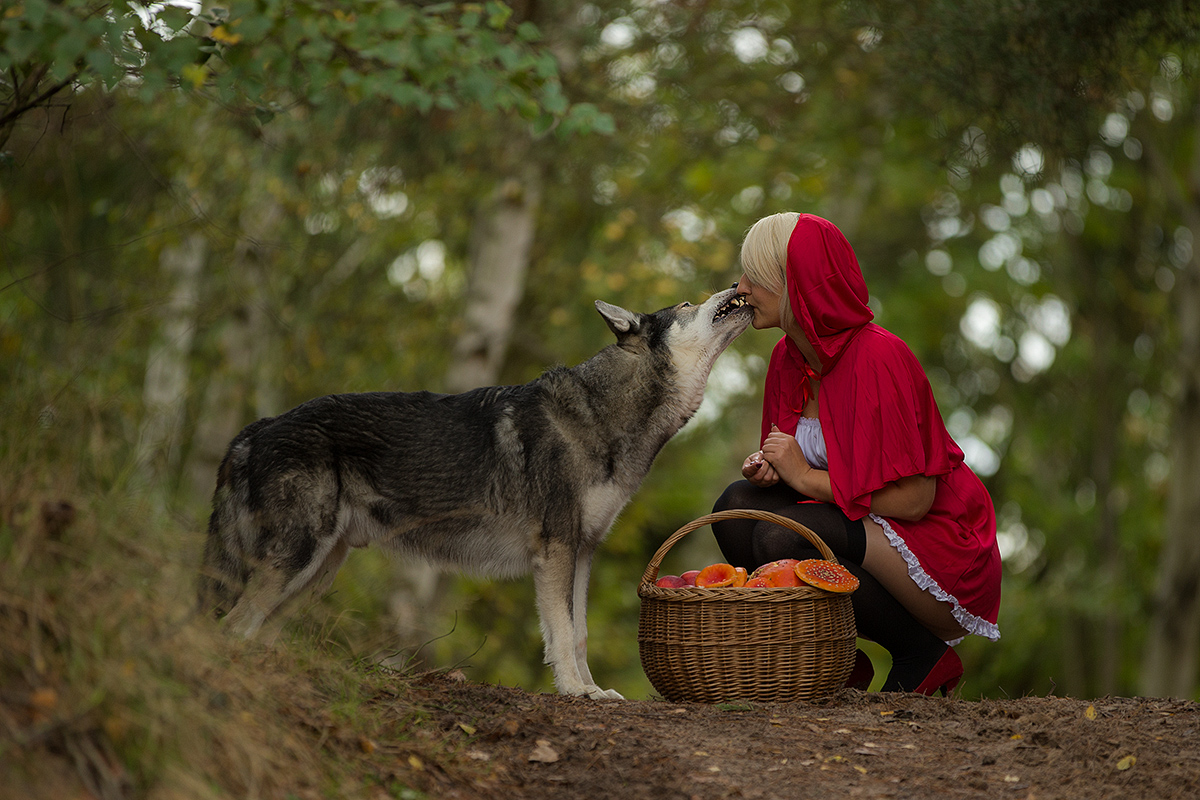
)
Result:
{"points": [[166, 381], [1174, 642], [1170, 667], [501, 241]]}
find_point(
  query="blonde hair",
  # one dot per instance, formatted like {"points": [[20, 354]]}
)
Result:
{"points": [[764, 258]]}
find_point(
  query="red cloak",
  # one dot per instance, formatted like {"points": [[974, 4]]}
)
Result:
{"points": [[880, 424]]}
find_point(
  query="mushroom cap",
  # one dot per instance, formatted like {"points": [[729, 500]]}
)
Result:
{"points": [[826, 575]]}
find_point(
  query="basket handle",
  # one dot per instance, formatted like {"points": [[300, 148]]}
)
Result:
{"points": [[651, 572]]}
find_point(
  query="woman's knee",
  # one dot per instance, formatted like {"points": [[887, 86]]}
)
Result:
{"points": [[739, 494]]}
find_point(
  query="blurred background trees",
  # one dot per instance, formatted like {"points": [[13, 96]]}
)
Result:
{"points": [[210, 214]]}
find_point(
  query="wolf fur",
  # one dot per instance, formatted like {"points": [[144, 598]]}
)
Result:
{"points": [[497, 481]]}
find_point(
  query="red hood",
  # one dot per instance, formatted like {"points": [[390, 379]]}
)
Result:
{"points": [[826, 288]]}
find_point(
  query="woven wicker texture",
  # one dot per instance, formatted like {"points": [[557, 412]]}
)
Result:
{"points": [[767, 645]]}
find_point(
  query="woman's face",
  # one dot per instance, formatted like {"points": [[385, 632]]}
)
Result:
{"points": [[764, 302]]}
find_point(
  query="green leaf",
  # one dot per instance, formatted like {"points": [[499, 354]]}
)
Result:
{"points": [[543, 124], [69, 49], [35, 12], [396, 18], [174, 17], [528, 32], [22, 44], [498, 15], [101, 62], [553, 100]]}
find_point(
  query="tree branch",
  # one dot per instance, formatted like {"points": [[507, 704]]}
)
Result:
{"points": [[10, 117]]}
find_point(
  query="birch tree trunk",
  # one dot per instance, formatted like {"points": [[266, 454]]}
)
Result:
{"points": [[166, 382], [501, 240]]}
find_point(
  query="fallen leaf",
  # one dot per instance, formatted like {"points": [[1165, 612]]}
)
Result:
{"points": [[469, 730], [1126, 762], [1090, 713], [863, 770], [44, 699], [544, 753], [1011, 779], [415, 762], [366, 745]]}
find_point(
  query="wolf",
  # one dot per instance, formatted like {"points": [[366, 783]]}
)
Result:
{"points": [[498, 481]]}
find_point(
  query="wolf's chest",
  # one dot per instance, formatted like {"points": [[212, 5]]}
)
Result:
{"points": [[601, 504]]}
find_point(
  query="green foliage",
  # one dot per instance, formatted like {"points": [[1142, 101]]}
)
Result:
{"points": [[268, 55], [1042, 72]]}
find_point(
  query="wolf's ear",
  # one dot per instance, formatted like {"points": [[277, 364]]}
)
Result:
{"points": [[620, 321]]}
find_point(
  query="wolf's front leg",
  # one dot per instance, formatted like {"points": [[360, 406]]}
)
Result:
{"points": [[583, 571], [554, 580]]}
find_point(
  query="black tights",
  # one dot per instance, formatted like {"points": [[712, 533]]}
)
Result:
{"points": [[878, 615]]}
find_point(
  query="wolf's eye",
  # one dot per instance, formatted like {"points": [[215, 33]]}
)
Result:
{"points": [[685, 304]]}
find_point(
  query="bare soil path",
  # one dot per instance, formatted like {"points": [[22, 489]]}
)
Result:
{"points": [[519, 746]]}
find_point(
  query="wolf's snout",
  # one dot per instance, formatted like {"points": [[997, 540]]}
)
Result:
{"points": [[729, 306]]}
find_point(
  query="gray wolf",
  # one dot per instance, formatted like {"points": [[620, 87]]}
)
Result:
{"points": [[496, 481]]}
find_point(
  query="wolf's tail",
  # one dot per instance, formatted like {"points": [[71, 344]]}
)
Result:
{"points": [[226, 568]]}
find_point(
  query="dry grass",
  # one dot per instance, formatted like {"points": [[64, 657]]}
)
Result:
{"points": [[110, 687]]}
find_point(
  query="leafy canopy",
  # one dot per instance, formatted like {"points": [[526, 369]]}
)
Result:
{"points": [[271, 54]]}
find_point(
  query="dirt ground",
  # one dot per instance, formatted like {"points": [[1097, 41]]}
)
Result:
{"points": [[522, 746]]}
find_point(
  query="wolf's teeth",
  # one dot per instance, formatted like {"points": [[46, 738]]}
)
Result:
{"points": [[730, 305]]}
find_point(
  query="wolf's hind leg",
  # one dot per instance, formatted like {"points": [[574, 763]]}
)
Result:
{"points": [[264, 593], [313, 589], [295, 560]]}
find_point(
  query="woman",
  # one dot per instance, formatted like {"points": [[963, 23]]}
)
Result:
{"points": [[854, 448]]}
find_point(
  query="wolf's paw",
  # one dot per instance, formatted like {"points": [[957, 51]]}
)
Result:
{"points": [[596, 693]]}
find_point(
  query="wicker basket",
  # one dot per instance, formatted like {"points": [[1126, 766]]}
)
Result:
{"points": [[766, 645]]}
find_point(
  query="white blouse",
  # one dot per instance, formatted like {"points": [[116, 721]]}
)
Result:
{"points": [[812, 442]]}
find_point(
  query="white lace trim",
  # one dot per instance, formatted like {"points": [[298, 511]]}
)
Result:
{"points": [[971, 623]]}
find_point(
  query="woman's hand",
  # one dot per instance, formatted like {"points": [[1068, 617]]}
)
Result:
{"points": [[783, 453], [756, 470]]}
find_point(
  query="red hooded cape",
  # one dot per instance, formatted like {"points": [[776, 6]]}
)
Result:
{"points": [[880, 423]]}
